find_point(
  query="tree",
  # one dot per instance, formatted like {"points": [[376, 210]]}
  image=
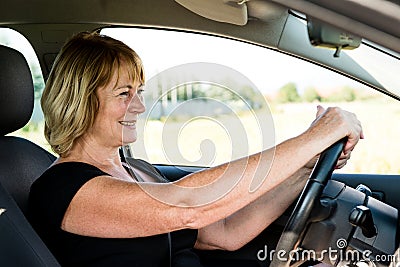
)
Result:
{"points": [[288, 93], [345, 94], [311, 95], [348, 94]]}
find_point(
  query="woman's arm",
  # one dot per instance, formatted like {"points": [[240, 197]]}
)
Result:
{"points": [[254, 218], [251, 220], [110, 207]]}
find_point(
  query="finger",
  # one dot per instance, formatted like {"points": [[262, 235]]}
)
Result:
{"points": [[320, 110], [356, 137], [349, 146], [352, 141], [341, 161], [341, 165], [362, 135], [345, 155]]}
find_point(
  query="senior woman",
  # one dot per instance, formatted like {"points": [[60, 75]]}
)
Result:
{"points": [[93, 210]]}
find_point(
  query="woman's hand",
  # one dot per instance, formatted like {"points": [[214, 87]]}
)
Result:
{"points": [[346, 121]]}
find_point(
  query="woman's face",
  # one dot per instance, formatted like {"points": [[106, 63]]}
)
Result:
{"points": [[120, 103]]}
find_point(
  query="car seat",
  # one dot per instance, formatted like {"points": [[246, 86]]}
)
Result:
{"points": [[21, 162]]}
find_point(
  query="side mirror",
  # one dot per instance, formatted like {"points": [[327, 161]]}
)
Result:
{"points": [[324, 35]]}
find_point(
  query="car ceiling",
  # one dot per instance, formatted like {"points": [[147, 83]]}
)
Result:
{"points": [[354, 15], [47, 23]]}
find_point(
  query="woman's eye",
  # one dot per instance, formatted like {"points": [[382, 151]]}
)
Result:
{"points": [[124, 94]]}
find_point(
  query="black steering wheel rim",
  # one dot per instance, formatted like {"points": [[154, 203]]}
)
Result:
{"points": [[311, 193]]}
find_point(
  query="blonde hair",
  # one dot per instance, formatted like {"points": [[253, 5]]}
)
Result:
{"points": [[69, 102]]}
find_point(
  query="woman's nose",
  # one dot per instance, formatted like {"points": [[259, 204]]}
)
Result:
{"points": [[137, 104]]}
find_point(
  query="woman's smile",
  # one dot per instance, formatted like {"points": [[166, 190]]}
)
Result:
{"points": [[131, 124]]}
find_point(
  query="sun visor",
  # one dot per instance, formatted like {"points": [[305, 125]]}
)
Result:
{"points": [[233, 12]]}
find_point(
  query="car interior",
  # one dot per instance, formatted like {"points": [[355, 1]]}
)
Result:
{"points": [[357, 208]]}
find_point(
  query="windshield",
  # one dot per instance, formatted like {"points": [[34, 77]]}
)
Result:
{"points": [[383, 67], [369, 63], [205, 121]]}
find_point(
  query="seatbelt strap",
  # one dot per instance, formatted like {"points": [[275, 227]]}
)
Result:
{"points": [[170, 249], [126, 151]]}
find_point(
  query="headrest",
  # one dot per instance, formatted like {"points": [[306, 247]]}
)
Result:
{"points": [[16, 91]]}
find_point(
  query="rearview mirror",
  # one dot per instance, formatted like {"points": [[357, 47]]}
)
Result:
{"points": [[324, 35], [234, 12]]}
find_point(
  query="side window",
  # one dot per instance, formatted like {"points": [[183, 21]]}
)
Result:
{"points": [[210, 100], [33, 130]]}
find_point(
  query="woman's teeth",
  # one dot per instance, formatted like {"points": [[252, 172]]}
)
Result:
{"points": [[126, 123]]}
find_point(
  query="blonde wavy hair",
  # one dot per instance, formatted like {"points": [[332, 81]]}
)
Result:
{"points": [[69, 102]]}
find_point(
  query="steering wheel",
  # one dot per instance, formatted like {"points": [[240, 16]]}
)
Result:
{"points": [[312, 192]]}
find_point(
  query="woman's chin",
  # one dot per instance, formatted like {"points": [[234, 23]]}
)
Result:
{"points": [[129, 137], [128, 140]]}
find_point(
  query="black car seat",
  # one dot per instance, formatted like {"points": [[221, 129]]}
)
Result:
{"points": [[21, 162]]}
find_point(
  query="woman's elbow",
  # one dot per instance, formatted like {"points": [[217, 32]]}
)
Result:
{"points": [[232, 246], [195, 218], [226, 246]]}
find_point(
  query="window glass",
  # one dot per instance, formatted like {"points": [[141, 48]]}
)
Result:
{"points": [[33, 130], [210, 100], [218, 99]]}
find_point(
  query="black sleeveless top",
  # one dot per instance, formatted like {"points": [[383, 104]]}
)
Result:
{"points": [[49, 199]]}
